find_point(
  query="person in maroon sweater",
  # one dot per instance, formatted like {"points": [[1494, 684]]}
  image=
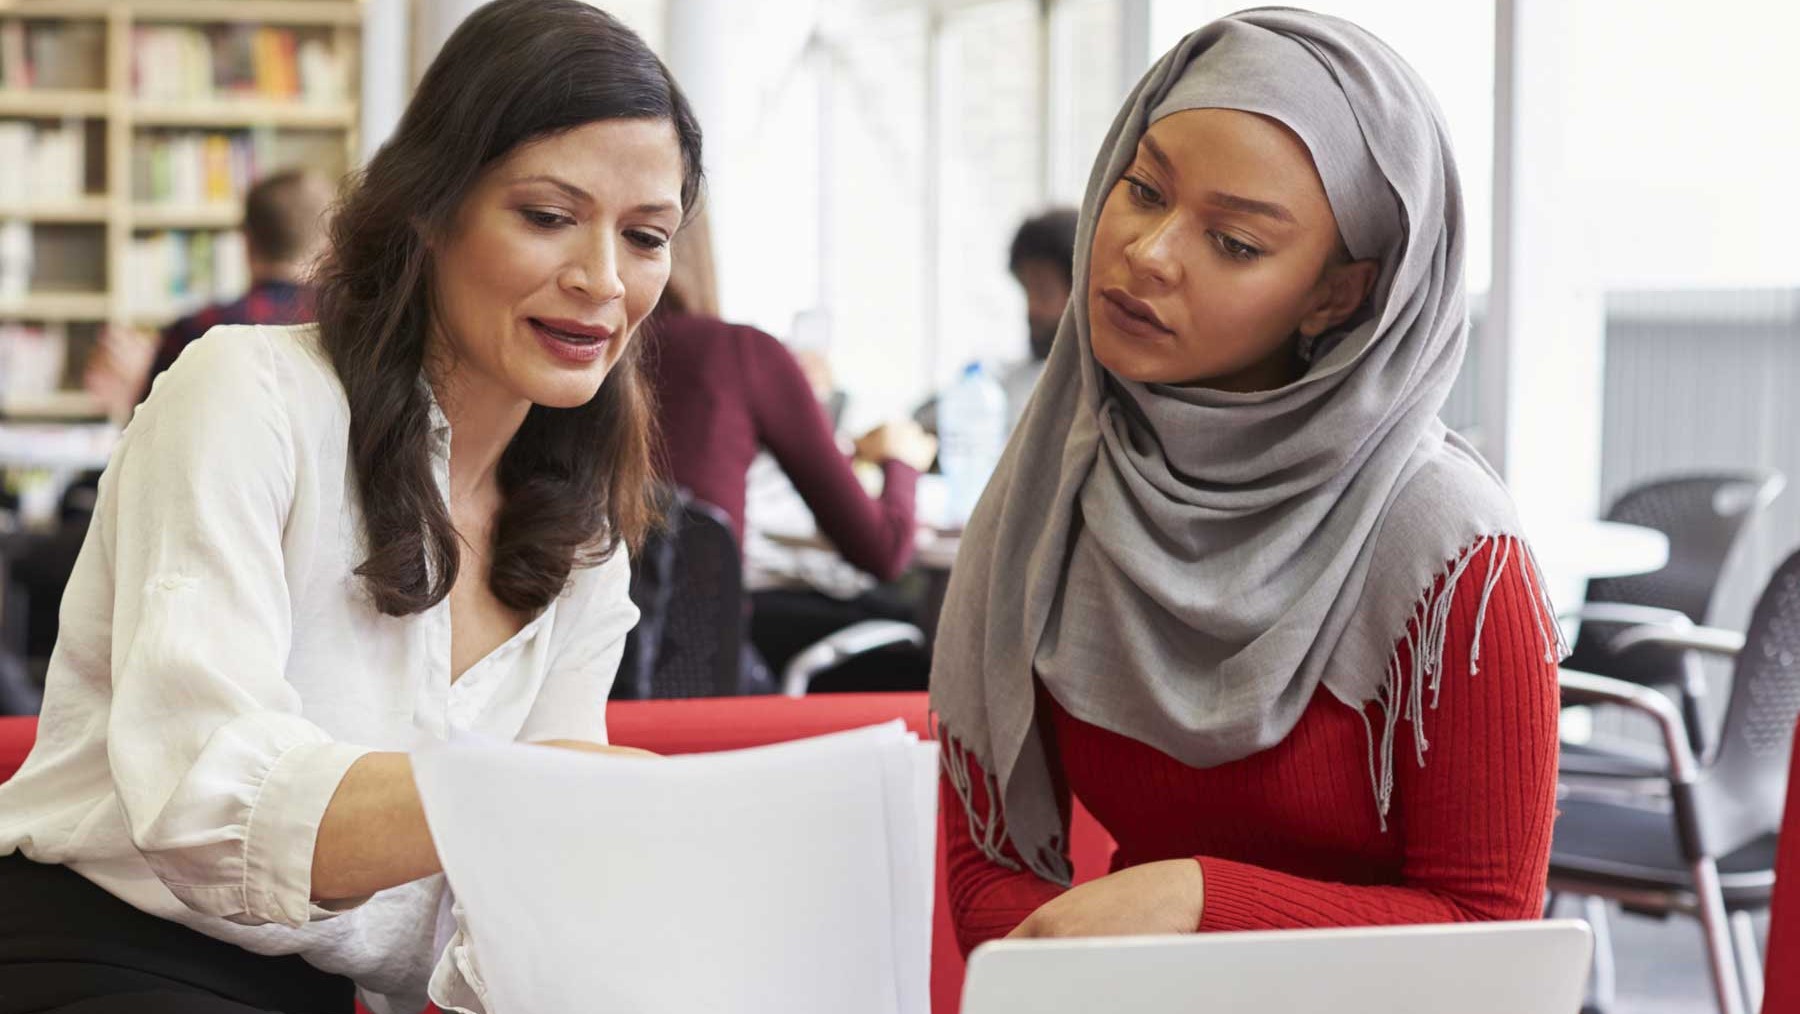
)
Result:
{"points": [[725, 393], [1234, 586]]}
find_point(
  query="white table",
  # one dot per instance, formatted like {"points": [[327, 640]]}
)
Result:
{"points": [[1572, 552]]}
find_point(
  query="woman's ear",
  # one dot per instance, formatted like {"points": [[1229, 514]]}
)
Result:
{"points": [[1342, 291], [426, 235]]}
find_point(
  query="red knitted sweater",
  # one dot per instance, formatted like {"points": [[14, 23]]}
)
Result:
{"points": [[1291, 837]]}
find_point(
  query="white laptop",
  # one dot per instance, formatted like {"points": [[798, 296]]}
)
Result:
{"points": [[1475, 968]]}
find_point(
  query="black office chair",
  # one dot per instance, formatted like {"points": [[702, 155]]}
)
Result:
{"points": [[1705, 845], [1703, 517], [688, 584]]}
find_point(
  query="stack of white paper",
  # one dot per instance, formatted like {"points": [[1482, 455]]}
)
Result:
{"points": [[788, 879]]}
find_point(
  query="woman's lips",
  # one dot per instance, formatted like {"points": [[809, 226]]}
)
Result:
{"points": [[571, 341], [1131, 315]]}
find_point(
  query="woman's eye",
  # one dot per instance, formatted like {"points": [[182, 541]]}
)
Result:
{"points": [[647, 240], [545, 219], [1142, 193], [1236, 249]]}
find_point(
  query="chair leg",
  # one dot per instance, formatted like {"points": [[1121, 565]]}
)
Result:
{"points": [[1717, 930], [1743, 932], [1605, 980]]}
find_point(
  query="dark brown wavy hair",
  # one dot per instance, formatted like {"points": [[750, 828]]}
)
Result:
{"points": [[576, 482]]}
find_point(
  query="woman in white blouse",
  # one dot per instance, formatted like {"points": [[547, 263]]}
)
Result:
{"points": [[318, 548]]}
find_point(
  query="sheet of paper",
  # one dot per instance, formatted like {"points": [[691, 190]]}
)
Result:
{"points": [[794, 878]]}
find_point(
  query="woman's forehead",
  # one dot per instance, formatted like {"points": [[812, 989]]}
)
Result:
{"points": [[1243, 161]]}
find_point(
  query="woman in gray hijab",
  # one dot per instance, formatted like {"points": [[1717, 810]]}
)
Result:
{"points": [[1231, 551]]}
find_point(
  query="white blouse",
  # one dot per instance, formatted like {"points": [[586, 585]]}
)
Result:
{"points": [[220, 667]]}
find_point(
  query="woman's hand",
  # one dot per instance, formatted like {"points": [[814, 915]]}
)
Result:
{"points": [[904, 441], [373, 835], [585, 746], [1155, 898]]}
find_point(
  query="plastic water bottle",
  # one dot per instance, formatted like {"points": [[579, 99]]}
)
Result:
{"points": [[971, 435]]}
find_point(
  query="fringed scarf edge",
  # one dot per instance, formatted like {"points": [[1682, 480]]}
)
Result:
{"points": [[1427, 632]]}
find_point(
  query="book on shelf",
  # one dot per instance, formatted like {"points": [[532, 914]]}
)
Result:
{"points": [[15, 260], [52, 161], [52, 54], [193, 167], [177, 272], [15, 72], [32, 359], [189, 64]]}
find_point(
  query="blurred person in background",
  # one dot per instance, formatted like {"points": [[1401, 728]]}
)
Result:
{"points": [[1042, 261], [285, 218], [725, 393]]}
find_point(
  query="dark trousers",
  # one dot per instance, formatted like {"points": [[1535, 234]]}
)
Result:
{"points": [[68, 947]]}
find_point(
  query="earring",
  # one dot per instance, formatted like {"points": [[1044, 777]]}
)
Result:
{"points": [[1307, 348]]}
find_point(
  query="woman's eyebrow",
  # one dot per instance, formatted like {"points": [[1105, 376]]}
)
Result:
{"points": [[1228, 201], [564, 185], [1233, 202], [575, 192], [1160, 157]]}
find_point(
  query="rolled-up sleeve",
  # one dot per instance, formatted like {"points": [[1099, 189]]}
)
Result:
{"points": [[591, 623], [223, 784]]}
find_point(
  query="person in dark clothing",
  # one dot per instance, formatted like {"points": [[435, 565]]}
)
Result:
{"points": [[285, 215], [1042, 260]]}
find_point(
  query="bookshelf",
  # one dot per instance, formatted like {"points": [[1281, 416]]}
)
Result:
{"points": [[92, 209], [129, 130], [53, 103]]}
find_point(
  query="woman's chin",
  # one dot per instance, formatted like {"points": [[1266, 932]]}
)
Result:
{"points": [[568, 391], [1129, 359]]}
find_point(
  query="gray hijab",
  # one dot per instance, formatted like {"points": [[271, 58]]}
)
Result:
{"points": [[1186, 566]]}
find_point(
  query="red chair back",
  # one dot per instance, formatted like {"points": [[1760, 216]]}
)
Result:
{"points": [[1782, 991], [16, 737]]}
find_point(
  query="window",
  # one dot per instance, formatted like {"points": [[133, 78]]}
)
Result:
{"points": [[871, 164]]}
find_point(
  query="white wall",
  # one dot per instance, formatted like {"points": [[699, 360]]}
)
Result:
{"points": [[434, 20], [1685, 142], [750, 72], [386, 83]]}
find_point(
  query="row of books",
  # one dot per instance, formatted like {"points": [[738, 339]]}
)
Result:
{"points": [[32, 358], [166, 273], [52, 54], [42, 164], [181, 64], [176, 272], [192, 167]]}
